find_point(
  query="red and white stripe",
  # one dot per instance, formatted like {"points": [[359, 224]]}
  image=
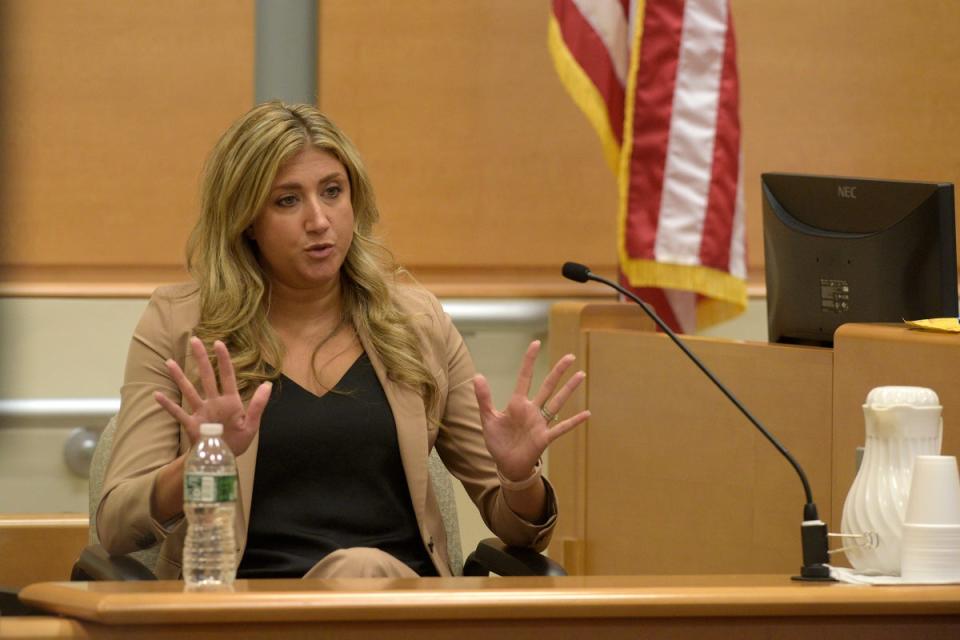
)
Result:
{"points": [[595, 33], [684, 202]]}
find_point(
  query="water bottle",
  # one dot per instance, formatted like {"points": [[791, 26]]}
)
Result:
{"points": [[209, 502]]}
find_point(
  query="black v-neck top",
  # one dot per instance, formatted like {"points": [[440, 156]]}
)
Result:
{"points": [[329, 476]]}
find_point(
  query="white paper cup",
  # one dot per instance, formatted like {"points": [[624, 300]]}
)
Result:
{"points": [[930, 553], [934, 492]]}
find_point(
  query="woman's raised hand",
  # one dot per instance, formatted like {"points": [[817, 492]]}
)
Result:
{"points": [[517, 436], [217, 404]]}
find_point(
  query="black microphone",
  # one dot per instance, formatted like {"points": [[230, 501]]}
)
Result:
{"points": [[813, 531], [576, 272]]}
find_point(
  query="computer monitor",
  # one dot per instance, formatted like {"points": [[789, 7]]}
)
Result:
{"points": [[843, 250]]}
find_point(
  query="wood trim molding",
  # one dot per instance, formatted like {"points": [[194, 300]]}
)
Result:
{"points": [[135, 281]]}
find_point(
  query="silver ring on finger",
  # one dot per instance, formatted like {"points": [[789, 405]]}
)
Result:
{"points": [[548, 415]]}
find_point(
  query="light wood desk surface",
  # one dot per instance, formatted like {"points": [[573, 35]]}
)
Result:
{"points": [[754, 606]]}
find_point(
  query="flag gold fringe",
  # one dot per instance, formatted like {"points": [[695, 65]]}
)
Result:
{"points": [[725, 294]]}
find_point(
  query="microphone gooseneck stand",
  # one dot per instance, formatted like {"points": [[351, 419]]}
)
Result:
{"points": [[813, 531]]}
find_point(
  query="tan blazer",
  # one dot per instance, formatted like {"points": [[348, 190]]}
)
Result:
{"points": [[148, 438]]}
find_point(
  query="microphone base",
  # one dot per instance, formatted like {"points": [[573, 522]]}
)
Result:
{"points": [[816, 556], [814, 573]]}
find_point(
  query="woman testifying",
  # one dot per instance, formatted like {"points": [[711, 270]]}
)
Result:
{"points": [[333, 375]]}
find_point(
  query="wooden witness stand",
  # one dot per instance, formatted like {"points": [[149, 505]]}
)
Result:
{"points": [[482, 608], [669, 478]]}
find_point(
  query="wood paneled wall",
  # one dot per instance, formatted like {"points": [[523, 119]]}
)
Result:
{"points": [[485, 168], [851, 88], [109, 110], [487, 174]]}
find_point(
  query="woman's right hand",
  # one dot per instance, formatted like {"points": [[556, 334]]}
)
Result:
{"points": [[223, 405]]}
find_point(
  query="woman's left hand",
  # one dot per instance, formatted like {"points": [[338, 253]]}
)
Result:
{"points": [[517, 436]]}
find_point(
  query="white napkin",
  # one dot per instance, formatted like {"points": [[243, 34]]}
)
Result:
{"points": [[850, 576]]}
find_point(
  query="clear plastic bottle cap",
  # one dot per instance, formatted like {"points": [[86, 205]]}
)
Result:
{"points": [[211, 429]]}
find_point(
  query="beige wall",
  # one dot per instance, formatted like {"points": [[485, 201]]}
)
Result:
{"points": [[55, 348]]}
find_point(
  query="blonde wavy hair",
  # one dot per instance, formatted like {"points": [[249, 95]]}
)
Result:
{"points": [[234, 291]]}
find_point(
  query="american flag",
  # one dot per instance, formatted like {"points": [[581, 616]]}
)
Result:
{"points": [[657, 79]]}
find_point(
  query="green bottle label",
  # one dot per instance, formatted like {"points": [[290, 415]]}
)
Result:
{"points": [[206, 488]]}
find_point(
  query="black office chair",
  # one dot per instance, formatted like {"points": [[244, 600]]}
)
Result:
{"points": [[10, 605]]}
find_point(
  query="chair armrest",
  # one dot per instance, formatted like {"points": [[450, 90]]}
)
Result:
{"points": [[493, 556], [10, 605], [95, 563]]}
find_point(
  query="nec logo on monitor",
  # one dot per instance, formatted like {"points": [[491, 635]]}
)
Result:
{"points": [[848, 191]]}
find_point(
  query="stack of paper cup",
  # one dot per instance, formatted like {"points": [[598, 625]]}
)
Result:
{"points": [[930, 550]]}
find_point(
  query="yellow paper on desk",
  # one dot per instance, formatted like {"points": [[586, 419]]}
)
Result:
{"points": [[944, 325]]}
